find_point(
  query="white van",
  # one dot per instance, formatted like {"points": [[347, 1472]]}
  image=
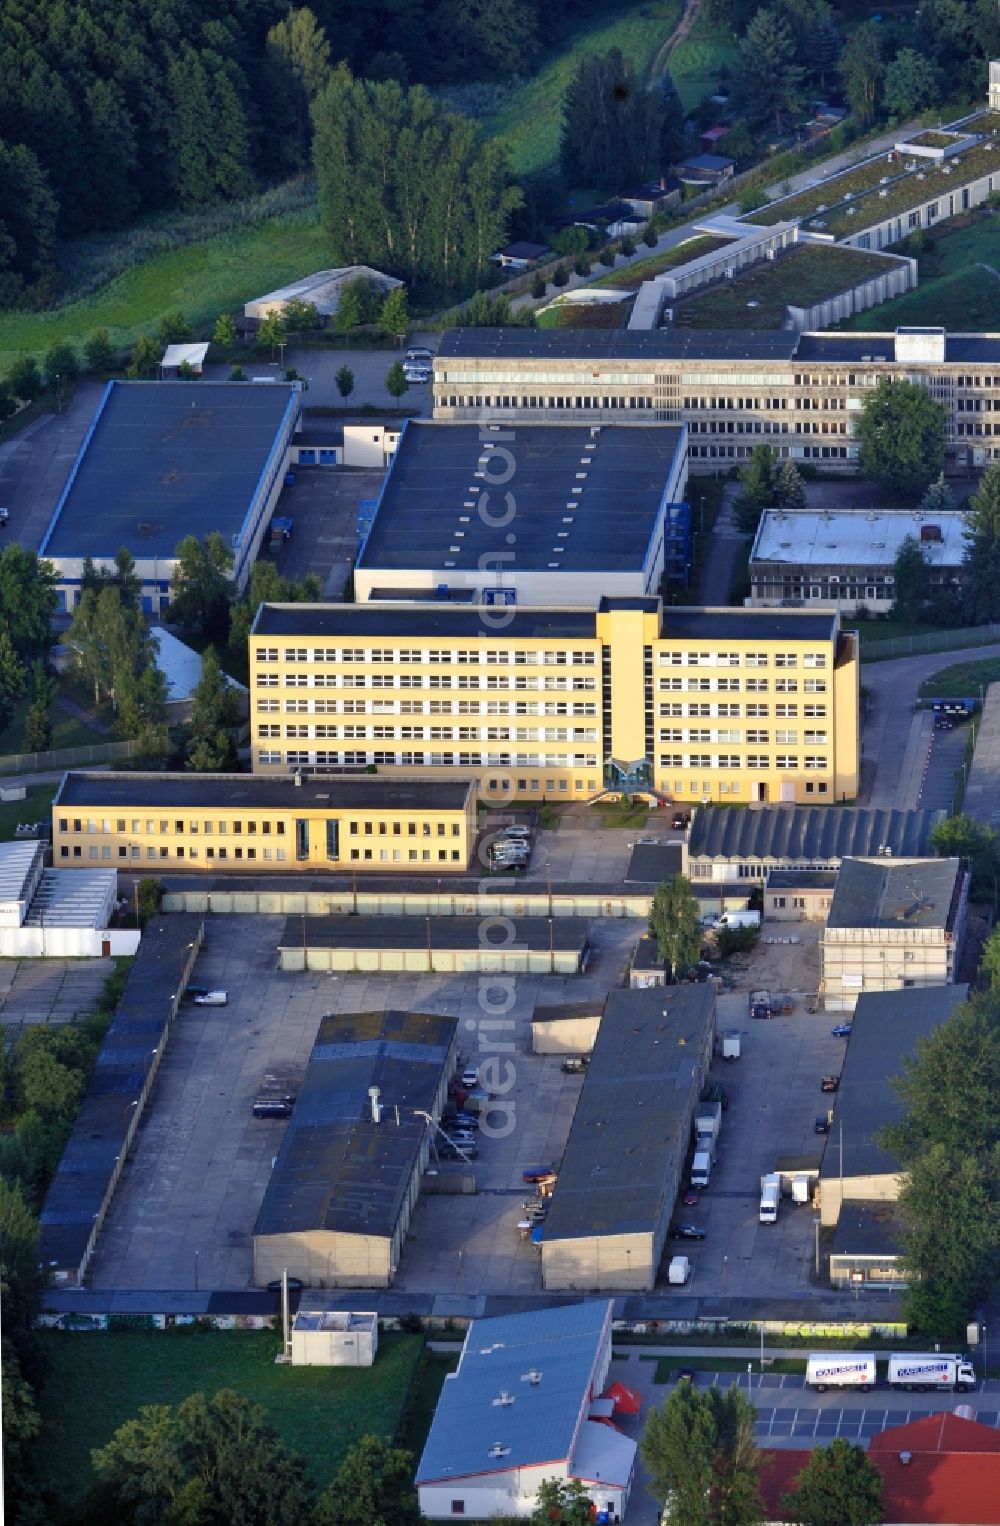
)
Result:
{"points": [[701, 1169]]}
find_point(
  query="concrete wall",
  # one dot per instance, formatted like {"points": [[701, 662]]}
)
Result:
{"points": [[421, 960], [801, 905], [370, 445], [899, 276], [869, 1189], [595, 1263], [322, 1259], [67, 942], [565, 1035]]}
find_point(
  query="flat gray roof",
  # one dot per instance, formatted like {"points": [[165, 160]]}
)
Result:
{"points": [[162, 460], [878, 894], [561, 933], [632, 1118], [653, 862], [353, 792], [421, 620], [867, 1230], [337, 1170], [801, 879], [824, 832], [749, 624], [885, 1031], [567, 479], [853, 539], [615, 344]]}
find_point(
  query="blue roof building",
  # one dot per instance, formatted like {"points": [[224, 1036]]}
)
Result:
{"points": [[525, 1406]]}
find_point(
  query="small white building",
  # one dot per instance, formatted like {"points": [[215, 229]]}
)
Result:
{"points": [[521, 1409], [51, 913], [891, 925], [334, 1338], [177, 355], [180, 665], [323, 290]]}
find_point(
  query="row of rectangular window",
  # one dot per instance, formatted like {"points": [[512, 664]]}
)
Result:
{"points": [[416, 681], [160, 827], [428, 707], [462, 656], [750, 737], [687, 659], [723, 709], [432, 733], [757, 762], [748, 685], [352, 757], [413, 855]]}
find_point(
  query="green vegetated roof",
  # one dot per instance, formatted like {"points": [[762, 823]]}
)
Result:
{"points": [[905, 189], [805, 274]]}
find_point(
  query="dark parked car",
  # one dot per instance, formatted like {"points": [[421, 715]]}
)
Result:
{"points": [[685, 1375], [829, 1083], [690, 1197], [680, 820], [822, 1124], [687, 1232], [456, 1152]]}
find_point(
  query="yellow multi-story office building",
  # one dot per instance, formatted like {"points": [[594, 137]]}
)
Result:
{"points": [[698, 705], [238, 821]]}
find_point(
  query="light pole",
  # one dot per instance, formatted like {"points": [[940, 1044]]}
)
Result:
{"points": [[196, 1255], [725, 1270]]}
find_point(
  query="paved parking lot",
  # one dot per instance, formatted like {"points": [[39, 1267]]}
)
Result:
{"points": [[944, 757], [34, 991], [323, 501], [185, 1209], [34, 465], [774, 1098], [579, 851]]}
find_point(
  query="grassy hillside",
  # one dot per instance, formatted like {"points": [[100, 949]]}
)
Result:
{"points": [[200, 279], [529, 117], [956, 289], [696, 62]]}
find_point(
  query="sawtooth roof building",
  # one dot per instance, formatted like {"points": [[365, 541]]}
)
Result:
{"points": [[744, 845], [525, 1406]]}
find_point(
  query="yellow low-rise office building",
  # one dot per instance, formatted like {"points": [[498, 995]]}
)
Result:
{"points": [[707, 705], [231, 822]]}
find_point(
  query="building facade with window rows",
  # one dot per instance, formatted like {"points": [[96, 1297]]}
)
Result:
{"points": [[231, 822], [799, 393], [696, 704]]}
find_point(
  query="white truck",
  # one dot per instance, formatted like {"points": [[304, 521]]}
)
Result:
{"points": [[833, 1369], [708, 1119], [701, 1169], [737, 919], [801, 1190], [770, 1192], [933, 1369], [679, 1271]]}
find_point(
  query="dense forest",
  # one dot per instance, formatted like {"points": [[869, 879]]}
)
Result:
{"points": [[113, 109]]}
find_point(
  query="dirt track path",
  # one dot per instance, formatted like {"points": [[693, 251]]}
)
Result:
{"points": [[677, 36]]}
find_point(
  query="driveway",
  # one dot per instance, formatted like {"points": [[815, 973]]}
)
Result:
{"points": [[35, 464]]}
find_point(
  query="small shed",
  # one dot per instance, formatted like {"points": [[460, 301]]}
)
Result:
{"points": [[334, 1338], [519, 256], [177, 355], [647, 968]]}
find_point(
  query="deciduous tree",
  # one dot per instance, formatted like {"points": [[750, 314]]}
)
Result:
{"points": [[395, 380], [977, 845], [700, 1453], [910, 581], [225, 330], [982, 549], [862, 71], [213, 715], [372, 1487], [768, 81], [27, 599], [100, 353], [839, 1486], [675, 923], [345, 381], [758, 487], [903, 433], [613, 126], [911, 84], [393, 314], [201, 589]]}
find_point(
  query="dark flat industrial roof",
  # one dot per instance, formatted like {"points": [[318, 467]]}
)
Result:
{"points": [[120, 1073], [801, 879], [569, 483], [533, 933], [371, 792], [867, 1229], [337, 1170], [167, 459], [964, 349], [886, 894], [632, 1117], [425, 620], [824, 832], [748, 624], [886, 1028], [653, 862], [616, 344]]}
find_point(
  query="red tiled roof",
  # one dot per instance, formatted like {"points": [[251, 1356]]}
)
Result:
{"points": [[952, 1478]]}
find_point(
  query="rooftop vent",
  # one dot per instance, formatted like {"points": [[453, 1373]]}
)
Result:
{"points": [[503, 1400], [373, 1096], [906, 1458], [532, 1376], [499, 1450]]}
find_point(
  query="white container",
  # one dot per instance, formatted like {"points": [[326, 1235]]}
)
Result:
{"points": [[701, 1169], [679, 1271], [831, 1369], [730, 1046]]}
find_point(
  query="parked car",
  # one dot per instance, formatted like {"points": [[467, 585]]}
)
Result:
{"points": [[517, 832], [690, 1197], [211, 998], [417, 375], [463, 1137], [574, 1066], [822, 1124], [418, 354], [829, 1083], [842, 1031], [680, 820], [273, 1107], [192, 991], [470, 1077], [687, 1232], [463, 1120], [4, 517]]}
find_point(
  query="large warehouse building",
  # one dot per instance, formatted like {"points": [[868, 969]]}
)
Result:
{"points": [[347, 1176], [726, 846], [800, 393], [622, 1166], [523, 516], [230, 822], [630, 695], [163, 460]]}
